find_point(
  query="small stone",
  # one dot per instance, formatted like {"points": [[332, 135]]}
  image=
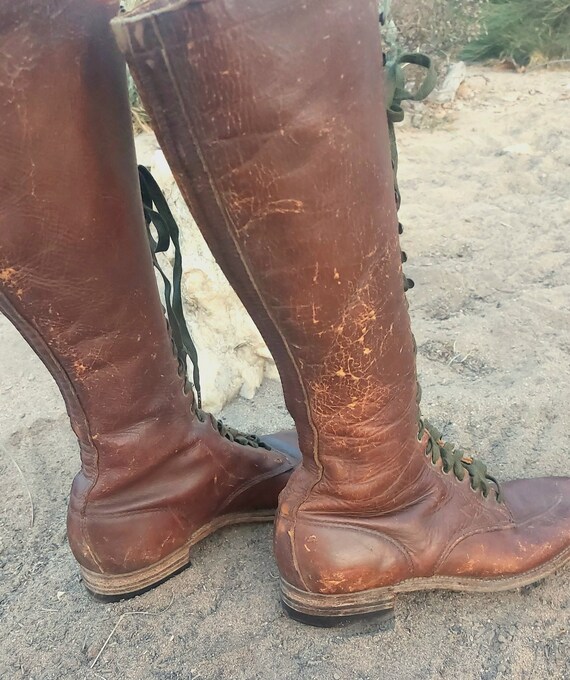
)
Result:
{"points": [[456, 74], [92, 651], [465, 92], [517, 150]]}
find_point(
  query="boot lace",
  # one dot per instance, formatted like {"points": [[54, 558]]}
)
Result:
{"points": [[158, 214], [457, 461], [453, 459], [231, 433]]}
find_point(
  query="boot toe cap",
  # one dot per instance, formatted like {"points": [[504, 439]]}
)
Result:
{"points": [[538, 536], [539, 502]]}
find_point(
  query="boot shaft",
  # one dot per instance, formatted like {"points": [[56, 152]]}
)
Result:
{"points": [[77, 277], [276, 112]]}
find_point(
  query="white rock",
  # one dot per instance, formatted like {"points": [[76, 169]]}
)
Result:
{"points": [[456, 74]]}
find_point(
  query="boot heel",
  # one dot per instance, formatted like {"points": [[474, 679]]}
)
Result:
{"points": [[112, 595], [116, 587], [327, 611]]}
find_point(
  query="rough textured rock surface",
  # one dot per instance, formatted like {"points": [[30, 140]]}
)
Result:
{"points": [[233, 357]]}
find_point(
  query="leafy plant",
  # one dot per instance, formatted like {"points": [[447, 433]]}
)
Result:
{"points": [[520, 29]]}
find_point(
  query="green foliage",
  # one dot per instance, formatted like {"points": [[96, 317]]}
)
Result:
{"points": [[521, 29]]}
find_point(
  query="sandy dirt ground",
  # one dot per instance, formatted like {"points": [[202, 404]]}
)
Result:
{"points": [[485, 205]]}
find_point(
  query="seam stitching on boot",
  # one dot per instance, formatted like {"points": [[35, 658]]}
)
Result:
{"points": [[231, 227]]}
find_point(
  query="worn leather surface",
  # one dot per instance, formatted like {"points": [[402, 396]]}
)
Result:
{"points": [[76, 279], [271, 115]]}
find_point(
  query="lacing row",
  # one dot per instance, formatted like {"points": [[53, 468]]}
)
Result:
{"points": [[396, 93], [231, 433], [457, 461], [453, 459], [158, 214]]}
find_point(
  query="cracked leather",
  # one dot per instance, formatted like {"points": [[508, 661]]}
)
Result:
{"points": [[76, 278], [272, 116]]}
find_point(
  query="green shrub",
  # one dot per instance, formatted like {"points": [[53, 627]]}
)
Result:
{"points": [[521, 29]]}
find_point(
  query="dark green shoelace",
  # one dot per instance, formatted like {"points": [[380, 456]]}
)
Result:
{"points": [[396, 93], [158, 214], [453, 459], [457, 461]]}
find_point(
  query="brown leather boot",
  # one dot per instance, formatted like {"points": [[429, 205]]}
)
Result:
{"points": [[270, 113], [76, 279]]}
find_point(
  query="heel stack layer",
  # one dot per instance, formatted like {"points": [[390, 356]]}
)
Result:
{"points": [[334, 610]]}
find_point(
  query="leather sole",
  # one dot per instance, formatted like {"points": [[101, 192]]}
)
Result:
{"points": [[333, 610], [113, 587]]}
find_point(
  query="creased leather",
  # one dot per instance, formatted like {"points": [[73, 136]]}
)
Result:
{"points": [[271, 115], [76, 278]]}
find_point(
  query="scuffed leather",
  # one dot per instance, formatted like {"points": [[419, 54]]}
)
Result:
{"points": [[76, 278], [271, 114]]}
